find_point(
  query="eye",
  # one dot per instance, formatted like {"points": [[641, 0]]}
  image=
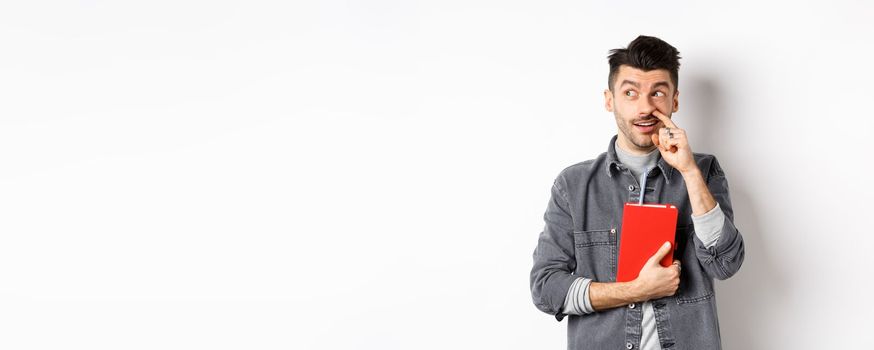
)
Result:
{"points": [[630, 93], [658, 94]]}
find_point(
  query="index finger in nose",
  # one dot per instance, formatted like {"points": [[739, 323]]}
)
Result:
{"points": [[667, 121]]}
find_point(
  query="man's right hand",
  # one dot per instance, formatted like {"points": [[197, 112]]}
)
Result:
{"points": [[656, 281], [653, 282]]}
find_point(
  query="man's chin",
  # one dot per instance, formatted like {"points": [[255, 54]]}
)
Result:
{"points": [[647, 143]]}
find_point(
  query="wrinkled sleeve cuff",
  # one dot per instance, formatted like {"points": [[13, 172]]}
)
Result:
{"points": [[577, 300], [587, 303], [708, 227]]}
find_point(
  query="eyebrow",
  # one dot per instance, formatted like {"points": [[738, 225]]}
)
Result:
{"points": [[637, 85]]}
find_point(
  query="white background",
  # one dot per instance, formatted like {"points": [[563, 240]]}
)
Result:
{"points": [[373, 174]]}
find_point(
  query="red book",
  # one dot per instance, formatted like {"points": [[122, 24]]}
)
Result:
{"points": [[645, 227]]}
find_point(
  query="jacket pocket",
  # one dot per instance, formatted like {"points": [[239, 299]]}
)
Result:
{"points": [[595, 252], [695, 285]]}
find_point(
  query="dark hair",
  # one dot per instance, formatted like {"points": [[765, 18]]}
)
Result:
{"points": [[645, 53]]}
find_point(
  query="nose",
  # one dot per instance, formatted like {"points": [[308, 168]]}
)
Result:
{"points": [[645, 107]]}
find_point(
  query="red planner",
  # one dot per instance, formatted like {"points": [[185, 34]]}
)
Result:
{"points": [[645, 227]]}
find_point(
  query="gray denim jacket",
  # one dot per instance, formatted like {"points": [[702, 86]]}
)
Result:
{"points": [[583, 227]]}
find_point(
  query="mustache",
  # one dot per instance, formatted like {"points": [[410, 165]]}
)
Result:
{"points": [[646, 119]]}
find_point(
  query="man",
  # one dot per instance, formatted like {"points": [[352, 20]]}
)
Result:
{"points": [[574, 270]]}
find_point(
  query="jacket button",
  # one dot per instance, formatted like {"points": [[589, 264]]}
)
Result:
{"points": [[631, 306], [612, 230], [631, 187], [629, 345]]}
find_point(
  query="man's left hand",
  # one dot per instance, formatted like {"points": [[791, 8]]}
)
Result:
{"points": [[674, 145]]}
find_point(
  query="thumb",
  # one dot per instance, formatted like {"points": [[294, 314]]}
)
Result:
{"points": [[655, 141], [663, 250]]}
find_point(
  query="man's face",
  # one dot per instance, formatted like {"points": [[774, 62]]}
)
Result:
{"points": [[634, 97]]}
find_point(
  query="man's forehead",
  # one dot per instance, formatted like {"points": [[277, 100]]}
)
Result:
{"points": [[640, 77]]}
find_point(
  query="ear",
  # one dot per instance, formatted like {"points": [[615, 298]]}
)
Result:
{"points": [[676, 101], [608, 100]]}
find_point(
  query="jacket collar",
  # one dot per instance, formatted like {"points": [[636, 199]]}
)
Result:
{"points": [[613, 163]]}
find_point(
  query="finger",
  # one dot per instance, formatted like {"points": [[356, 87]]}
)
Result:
{"points": [[675, 132], [664, 139], [665, 120], [663, 250], [655, 139], [674, 141], [670, 140], [680, 140]]}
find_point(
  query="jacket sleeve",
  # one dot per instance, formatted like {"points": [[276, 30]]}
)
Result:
{"points": [[554, 261], [723, 259]]}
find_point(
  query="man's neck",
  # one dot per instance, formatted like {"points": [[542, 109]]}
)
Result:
{"points": [[629, 148], [637, 164]]}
